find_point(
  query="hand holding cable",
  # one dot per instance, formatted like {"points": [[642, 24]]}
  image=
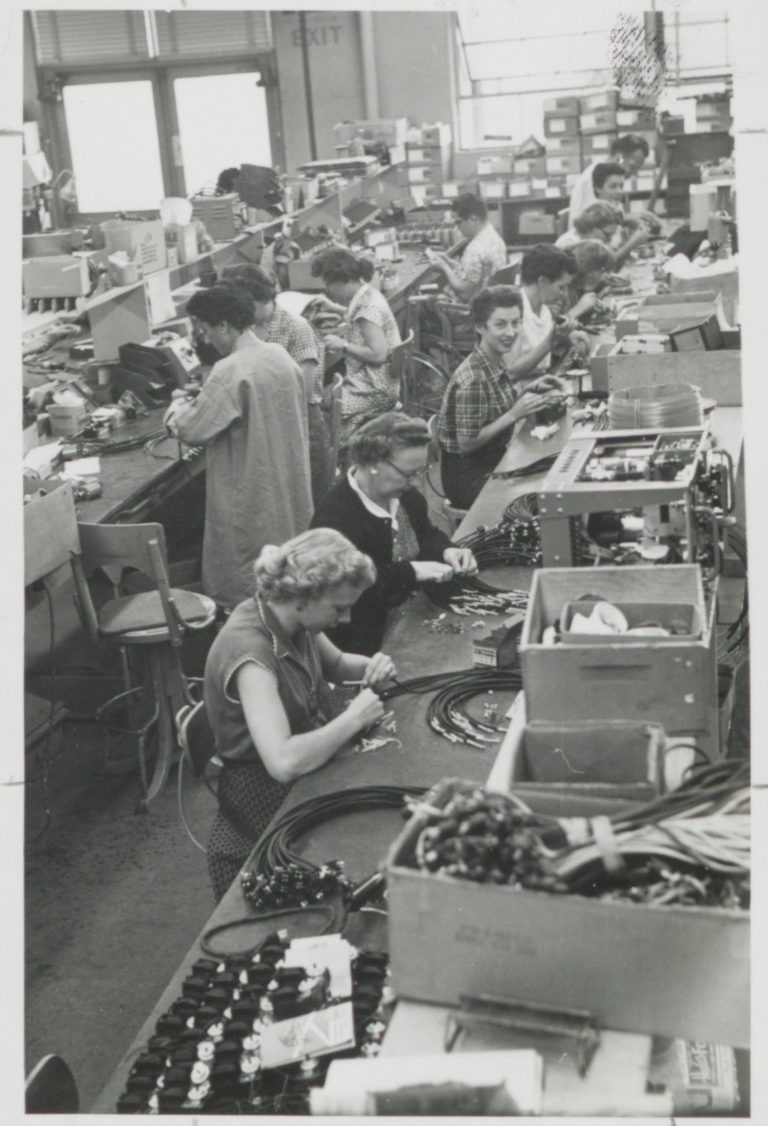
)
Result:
{"points": [[380, 668]]}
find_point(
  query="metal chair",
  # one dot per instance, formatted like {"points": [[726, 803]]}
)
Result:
{"points": [[507, 275], [153, 624], [441, 506], [50, 1088], [198, 748]]}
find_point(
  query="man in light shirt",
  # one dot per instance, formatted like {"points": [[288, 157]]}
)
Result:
{"points": [[485, 254]]}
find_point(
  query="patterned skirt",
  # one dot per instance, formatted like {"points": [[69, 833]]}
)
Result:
{"points": [[248, 800]]}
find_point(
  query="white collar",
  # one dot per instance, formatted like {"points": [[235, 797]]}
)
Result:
{"points": [[373, 508]]}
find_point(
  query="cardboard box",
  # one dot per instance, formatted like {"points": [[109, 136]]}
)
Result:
{"points": [[598, 145], [559, 125], [563, 165], [563, 106], [66, 420], [716, 374], [634, 119], [610, 760], [530, 166], [607, 99], [219, 214], [654, 313], [519, 189], [563, 146], [144, 241], [493, 189], [602, 121], [438, 133], [671, 682], [495, 165], [55, 275], [670, 971], [423, 174]]}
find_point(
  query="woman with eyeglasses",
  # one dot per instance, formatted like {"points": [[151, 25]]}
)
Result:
{"points": [[378, 509]]}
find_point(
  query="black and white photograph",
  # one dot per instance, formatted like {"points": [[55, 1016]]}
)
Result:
{"points": [[385, 684]]}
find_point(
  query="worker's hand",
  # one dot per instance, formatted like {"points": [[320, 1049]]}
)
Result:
{"points": [[365, 709], [530, 402], [580, 343], [586, 303], [177, 407], [380, 668], [334, 342], [461, 560], [546, 384], [429, 572], [435, 257]]}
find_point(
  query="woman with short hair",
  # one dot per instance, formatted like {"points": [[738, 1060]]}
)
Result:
{"points": [[369, 387], [482, 403], [266, 688], [381, 512]]}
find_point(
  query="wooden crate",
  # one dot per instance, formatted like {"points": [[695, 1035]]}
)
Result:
{"points": [[668, 681], [672, 971]]}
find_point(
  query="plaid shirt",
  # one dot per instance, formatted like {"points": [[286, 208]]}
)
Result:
{"points": [[296, 336], [477, 394]]}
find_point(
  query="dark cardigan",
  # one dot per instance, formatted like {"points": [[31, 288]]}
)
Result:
{"points": [[343, 510]]}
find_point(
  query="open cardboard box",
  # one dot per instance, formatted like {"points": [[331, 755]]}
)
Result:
{"points": [[670, 971], [671, 681]]}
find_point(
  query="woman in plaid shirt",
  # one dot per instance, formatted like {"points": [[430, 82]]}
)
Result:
{"points": [[481, 403]]}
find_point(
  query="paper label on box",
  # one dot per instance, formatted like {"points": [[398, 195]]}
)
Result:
{"points": [[303, 1037], [556, 126]]}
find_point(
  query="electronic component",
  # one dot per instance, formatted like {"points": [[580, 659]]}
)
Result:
{"points": [[682, 485]]}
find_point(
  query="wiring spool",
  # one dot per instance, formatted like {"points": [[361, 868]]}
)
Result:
{"points": [[659, 407]]}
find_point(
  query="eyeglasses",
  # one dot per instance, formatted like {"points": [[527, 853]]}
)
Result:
{"points": [[408, 475]]}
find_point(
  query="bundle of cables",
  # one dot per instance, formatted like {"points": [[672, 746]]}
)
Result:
{"points": [[447, 713], [688, 847], [510, 542], [275, 876]]}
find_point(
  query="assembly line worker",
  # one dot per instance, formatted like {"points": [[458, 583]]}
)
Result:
{"points": [[629, 153], [369, 387], [485, 253], [481, 403], [594, 262], [273, 715], [275, 325], [545, 273], [377, 507], [251, 416]]}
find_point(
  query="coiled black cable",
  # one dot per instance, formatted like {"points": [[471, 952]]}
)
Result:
{"points": [[275, 875]]}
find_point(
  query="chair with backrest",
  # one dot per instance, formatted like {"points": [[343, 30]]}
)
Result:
{"points": [[507, 275], [196, 737], [50, 1088], [151, 624], [435, 496]]}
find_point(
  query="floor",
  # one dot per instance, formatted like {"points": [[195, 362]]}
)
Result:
{"points": [[113, 898]]}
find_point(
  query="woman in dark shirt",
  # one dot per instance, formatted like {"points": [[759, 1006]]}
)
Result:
{"points": [[266, 693], [378, 510]]}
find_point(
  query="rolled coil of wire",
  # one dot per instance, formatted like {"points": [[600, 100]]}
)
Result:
{"points": [[658, 407]]}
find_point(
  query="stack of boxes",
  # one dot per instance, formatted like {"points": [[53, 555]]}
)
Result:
{"points": [[713, 113], [391, 131], [564, 151], [428, 154]]}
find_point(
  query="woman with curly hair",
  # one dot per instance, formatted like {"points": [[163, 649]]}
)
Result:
{"points": [[369, 387], [266, 686]]}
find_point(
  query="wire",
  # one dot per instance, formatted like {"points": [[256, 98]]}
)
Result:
{"points": [[41, 755], [253, 920], [180, 800]]}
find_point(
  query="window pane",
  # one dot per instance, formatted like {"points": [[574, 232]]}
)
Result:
{"points": [[222, 124], [115, 151]]}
